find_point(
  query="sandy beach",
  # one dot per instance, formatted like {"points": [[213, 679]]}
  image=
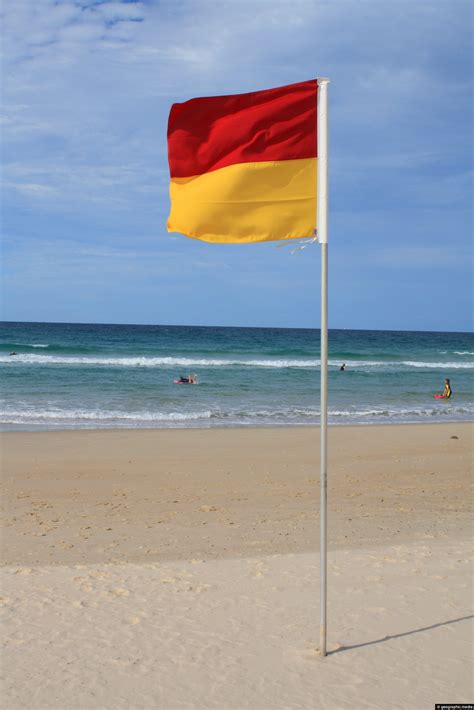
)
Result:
{"points": [[180, 569]]}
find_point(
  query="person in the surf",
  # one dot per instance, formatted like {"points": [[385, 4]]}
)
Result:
{"points": [[189, 380], [447, 392], [343, 367]]}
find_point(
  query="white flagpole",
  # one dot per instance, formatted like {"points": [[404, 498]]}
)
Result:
{"points": [[322, 231]]}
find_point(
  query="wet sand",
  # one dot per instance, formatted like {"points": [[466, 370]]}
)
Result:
{"points": [[93, 496]]}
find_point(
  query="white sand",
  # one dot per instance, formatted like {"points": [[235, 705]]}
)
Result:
{"points": [[242, 633]]}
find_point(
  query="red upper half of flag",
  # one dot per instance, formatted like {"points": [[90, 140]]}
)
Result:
{"points": [[209, 133]]}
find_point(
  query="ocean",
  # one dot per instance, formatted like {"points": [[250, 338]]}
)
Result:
{"points": [[65, 376]]}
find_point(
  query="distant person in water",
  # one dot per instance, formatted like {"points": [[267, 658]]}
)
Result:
{"points": [[189, 380], [447, 389], [13, 353], [343, 367]]}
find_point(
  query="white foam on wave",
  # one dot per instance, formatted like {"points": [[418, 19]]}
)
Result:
{"points": [[32, 359], [439, 365], [153, 361], [442, 411], [98, 415], [282, 416], [30, 345]]}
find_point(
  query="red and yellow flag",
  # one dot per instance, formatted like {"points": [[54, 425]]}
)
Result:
{"points": [[243, 167]]}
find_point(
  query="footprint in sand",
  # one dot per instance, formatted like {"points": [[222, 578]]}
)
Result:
{"points": [[377, 609], [79, 604], [258, 568], [200, 588], [96, 574]]}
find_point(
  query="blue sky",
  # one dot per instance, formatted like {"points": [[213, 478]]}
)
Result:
{"points": [[87, 88]]}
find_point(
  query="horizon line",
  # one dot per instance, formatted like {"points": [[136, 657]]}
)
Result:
{"points": [[246, 327]]}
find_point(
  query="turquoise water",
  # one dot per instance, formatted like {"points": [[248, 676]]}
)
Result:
{"points": [[94, 376]]}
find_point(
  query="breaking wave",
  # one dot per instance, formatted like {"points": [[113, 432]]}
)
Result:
{"points": [[143, 361], [83, 418]]}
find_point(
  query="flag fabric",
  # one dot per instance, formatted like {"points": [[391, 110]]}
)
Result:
{"points": [[243, 167]]}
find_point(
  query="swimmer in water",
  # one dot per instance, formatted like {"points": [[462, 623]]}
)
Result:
{"points": [[189, 380], [447, 389]]}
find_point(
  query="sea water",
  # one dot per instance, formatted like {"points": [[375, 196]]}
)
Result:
{"points": [[95, 376]]}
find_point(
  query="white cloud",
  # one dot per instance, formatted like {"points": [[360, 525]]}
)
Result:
{"points": [[33, 189], [113, 12], [88, 87], [415, 257]]}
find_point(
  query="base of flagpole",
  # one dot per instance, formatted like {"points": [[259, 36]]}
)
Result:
{"points": [[322, 640]]}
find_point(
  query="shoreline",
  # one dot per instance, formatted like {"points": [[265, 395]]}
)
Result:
{"points": [[242, 427]]}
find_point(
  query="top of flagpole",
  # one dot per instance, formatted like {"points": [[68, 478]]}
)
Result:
{"points": [[322, 194]]}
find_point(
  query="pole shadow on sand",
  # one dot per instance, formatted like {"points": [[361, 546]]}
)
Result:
{"points": [[397, 636]]}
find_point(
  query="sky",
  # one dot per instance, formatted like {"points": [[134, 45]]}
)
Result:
{"points": [[86, 91]]}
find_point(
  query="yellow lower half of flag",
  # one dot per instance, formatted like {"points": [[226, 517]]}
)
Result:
{"points": [[247, 202]]}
